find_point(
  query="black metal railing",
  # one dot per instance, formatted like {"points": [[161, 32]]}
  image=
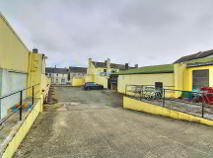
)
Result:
{"points": [[20, 108], [180, 100]]}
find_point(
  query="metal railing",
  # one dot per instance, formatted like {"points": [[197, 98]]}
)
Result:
{"points": [[20, 108], [173, 98]]}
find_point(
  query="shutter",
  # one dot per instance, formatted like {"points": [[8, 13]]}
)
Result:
{"points": [[200, 78]]}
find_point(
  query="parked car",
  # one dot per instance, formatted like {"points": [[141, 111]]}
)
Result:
{"points": [[92, 85]]}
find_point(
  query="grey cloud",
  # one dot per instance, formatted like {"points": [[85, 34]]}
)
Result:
{"points": [[136, 31]]}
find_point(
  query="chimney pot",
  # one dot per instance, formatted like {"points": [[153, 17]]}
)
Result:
{"points": [[89, 62], [126, 66], [108, 62], [35, 50]]}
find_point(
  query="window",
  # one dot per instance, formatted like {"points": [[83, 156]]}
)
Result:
{"points": [[91, 83], [200, 78], [62, 80]]}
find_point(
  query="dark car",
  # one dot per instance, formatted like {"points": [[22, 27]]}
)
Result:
{"points": [[92, 85]]}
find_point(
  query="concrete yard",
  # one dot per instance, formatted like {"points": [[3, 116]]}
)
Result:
{"points": [[93, 124]]}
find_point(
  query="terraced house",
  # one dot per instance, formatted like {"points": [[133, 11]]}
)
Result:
{"points": [[19, 67], [100, 72], [187, 73], [59, 76]]}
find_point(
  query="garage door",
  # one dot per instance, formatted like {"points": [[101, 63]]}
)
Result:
{"points": [[200, 78]]}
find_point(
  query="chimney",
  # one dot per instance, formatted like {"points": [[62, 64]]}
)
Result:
{"points": [[126, 66], [35, 50], [108, 63], [89, 66], [136, 65], [89, 62]]}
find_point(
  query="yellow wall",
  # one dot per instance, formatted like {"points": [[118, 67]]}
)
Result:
{"points": [[89, 78], [95, 71], [102, 80], [179, 77], [78, 81], [34, 74], [183, 76], [188, 76], [94, 74], [137, 105], [92, 70], [23, 130], [144, 79], [13, 53], [45, 84]]}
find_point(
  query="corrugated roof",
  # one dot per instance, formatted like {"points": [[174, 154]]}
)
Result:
{"points": [[56, 70], [202, 60], [194, 56], [78, 69], [167, 68]]}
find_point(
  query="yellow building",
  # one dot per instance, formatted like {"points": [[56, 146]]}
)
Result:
{"points": [[195, 74], [146, 76], [187, 73], [77, 75], [19, 67], [36, 72], [59, 76], [99, 72]]}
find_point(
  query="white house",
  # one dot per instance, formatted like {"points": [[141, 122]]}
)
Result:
{"points": [[58, 75]]}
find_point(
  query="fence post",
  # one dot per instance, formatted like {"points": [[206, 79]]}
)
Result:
{"points": [[202, 105], [32, 95], [142, 91], [164, 95], [20, 111]]}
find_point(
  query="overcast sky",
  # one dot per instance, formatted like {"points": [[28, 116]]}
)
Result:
{"points": [[144, 32]]}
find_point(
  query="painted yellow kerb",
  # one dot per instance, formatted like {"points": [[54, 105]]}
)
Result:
{"points": [[129, 103], [25, 127]]}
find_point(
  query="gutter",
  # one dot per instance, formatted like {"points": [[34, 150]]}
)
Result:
{"points": [[145, 73], [199, 64]]}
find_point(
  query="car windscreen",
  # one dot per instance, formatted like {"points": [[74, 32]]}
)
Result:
{"points": [[91, 84]]}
